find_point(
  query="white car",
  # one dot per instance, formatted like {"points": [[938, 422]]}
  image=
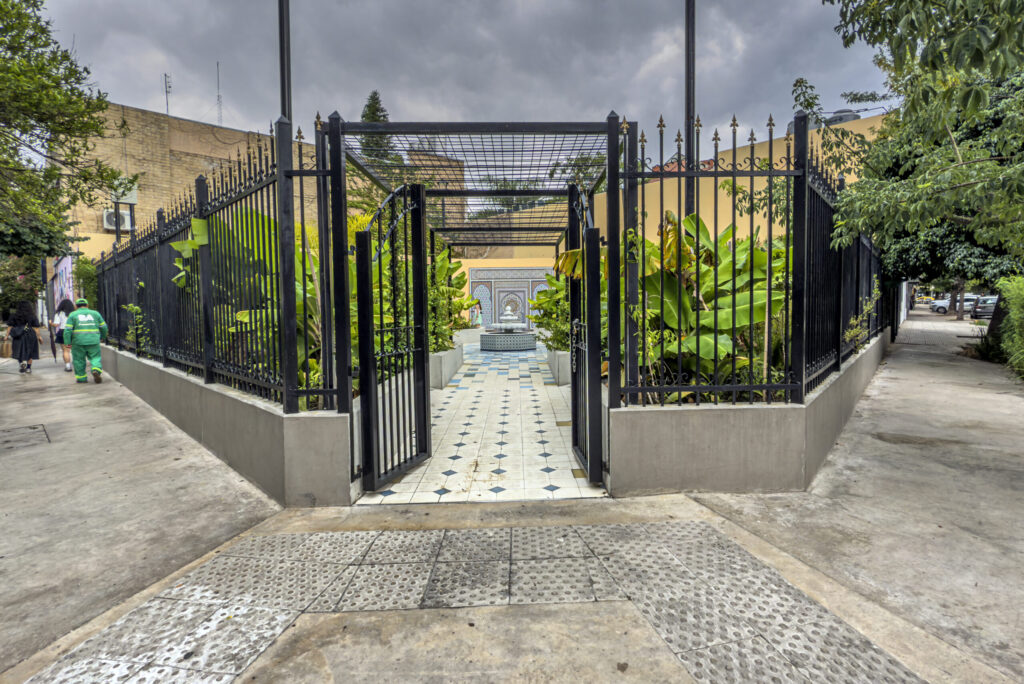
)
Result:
{"points": [[941, 306]]}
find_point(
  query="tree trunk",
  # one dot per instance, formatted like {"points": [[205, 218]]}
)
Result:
{"points": [[958, 304], [994, 332]]}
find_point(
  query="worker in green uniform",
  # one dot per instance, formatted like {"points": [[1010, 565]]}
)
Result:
{"points": [[84, 330]]}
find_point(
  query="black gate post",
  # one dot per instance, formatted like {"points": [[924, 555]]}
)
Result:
{"points": [[205, 284], [614, 250], [421, 338], [134, 292], [575, 317], [163, 283], [592, 281], [632, 267], [286, 238], [339, 243], [367, 360], [798, 359]]}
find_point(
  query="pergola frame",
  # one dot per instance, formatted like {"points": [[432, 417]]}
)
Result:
{"points": [[496, 168]]}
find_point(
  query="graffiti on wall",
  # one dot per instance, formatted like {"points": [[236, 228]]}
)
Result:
{"points": [[63, 287]]}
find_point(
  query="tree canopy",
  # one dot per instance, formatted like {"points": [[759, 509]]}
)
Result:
{"points": [[49, 114], [375, 145], [951, 151]]}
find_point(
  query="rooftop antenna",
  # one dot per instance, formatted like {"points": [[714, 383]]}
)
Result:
{"points": [[167, 93], [220, 100]]}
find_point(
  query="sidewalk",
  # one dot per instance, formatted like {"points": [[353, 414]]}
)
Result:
{"points": [[807, 587], [919, 505], [100, 497]]}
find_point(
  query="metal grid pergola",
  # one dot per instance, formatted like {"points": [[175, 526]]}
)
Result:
{"points": [[487, 183]]}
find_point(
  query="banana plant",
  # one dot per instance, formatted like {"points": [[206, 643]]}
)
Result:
{"points": [[705, 302]]}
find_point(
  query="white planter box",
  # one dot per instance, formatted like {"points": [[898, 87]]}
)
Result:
{"points": [[444, 366], [558, 362]]}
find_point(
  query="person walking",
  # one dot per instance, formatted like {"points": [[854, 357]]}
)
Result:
{"points": [[60, 319], [23, 331], [84, 330]]}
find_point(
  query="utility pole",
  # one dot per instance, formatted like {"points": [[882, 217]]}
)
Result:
{"points": [[284, 41], [689, 143], [167, 94]]}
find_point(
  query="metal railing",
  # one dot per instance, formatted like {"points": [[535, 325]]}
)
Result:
{"points": [[734, 295]]}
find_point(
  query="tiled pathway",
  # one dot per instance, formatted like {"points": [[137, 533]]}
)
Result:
{"points": [[501, 432], [727, 616]]}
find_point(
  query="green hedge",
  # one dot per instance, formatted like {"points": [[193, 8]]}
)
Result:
{"points": [[1012, 297]]}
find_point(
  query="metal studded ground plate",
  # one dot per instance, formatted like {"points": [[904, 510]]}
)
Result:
{"points": [[476, 583], [749, 660], [728, 616]]}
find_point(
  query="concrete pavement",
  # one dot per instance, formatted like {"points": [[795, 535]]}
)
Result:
{"points": [[100, 497], [919, 505], [817, 586]]}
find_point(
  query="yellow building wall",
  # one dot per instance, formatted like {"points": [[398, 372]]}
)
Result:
{"points": [[168, 153], [708, 190]]}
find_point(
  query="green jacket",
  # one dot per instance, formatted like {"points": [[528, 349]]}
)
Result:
{"points": [[85, 326]]}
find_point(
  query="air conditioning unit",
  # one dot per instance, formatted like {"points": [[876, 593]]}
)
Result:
{"points": [[110, 221]]}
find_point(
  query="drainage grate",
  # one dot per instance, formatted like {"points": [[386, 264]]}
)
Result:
{"points": [[28, 435]]}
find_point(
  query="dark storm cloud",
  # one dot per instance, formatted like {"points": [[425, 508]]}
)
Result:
{"points": [[465, 59]]}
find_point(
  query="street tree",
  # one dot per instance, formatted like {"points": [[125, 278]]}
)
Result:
{"points": [[50, 114], [952, 148]]}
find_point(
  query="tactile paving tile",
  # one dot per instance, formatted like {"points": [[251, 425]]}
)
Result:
{"points": [[606, 540], [709, 558], [334, 547], [475, 545], [389, 586], [832, 651], [271, 546], [162, 674], [740, 662], [477, 583], [688, 624], [291, 585], [552, 580], [404, 546], [139, 634], [547, 542], [74, 670], [765, 600], [605, 588], [328, 601], [228, 640], [682, 531], [651, 572]]}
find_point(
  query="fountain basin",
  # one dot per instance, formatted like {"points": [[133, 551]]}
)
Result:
{"points": [[508, 341]]}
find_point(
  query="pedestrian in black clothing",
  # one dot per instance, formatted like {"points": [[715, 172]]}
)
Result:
{"points": [[23, 331]]}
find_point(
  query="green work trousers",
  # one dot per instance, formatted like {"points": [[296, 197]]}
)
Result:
{"points": [[79, 353]]}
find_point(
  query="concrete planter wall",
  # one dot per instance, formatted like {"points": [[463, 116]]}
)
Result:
{"points": [[766, 448], [558, 362], [298, 459], [444, 365]]}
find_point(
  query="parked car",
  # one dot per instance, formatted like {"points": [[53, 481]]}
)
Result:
{"points": [[985, 307], [942, 306]]}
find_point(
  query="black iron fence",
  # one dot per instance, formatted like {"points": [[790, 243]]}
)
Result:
{"points": [[731, 289], [235, 284]]}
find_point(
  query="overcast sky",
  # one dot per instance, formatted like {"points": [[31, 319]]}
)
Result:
{"points": [[465, 60]]}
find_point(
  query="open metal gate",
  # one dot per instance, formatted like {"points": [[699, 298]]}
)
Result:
{"points": [[585, 335], [391, 302]]}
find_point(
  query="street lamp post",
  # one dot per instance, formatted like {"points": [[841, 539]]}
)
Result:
{"points": [[284, 31], [688, 141]]}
